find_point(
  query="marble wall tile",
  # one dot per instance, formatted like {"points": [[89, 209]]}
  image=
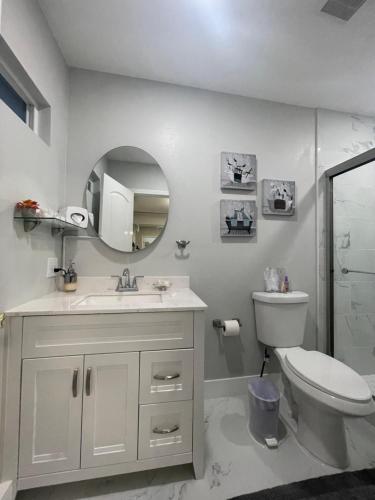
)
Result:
{"points": [[362, 233], [362, 260], [344, 336], [363, 297], [361, 359], [356, 330], [343, 297]]}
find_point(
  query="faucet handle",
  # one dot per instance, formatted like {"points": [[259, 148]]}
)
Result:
{"points": [[134, 284], [119, 282]]}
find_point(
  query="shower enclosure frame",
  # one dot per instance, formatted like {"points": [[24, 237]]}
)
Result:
{"points": [[330, 174]]}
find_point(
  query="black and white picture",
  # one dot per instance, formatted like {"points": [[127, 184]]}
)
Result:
{"points": [[278, 197], [238, 171], [237, 218]]}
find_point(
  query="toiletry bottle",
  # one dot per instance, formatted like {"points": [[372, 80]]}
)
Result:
{"points": [[286, 284], [70, 279]]}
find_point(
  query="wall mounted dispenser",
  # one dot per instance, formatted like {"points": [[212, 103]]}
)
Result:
{"points": [[75, 215]]}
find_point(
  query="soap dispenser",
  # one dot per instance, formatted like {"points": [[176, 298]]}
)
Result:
{"points": [[70, 277]]}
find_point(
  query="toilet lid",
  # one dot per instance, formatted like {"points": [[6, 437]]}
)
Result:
{"points": [[281, 298], [328, 374]]}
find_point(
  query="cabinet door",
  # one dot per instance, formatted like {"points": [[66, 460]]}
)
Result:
{"points": [[51, 411], [110, 409]]}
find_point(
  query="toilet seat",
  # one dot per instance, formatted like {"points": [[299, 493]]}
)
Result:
{"points": [[328, 375]]}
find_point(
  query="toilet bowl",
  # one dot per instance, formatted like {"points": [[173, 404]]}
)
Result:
{"points": [[323, 389]]}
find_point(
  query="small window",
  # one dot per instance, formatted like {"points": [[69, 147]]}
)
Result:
{"points": [[12, 99], [22, 96]]}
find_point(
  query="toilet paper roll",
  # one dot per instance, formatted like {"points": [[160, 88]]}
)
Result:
{"points": [[231, 328]]}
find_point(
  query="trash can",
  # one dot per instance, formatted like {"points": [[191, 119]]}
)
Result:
{"points": [[264, 398]]}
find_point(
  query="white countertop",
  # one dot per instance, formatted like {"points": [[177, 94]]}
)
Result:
{"points": [[179, 297]]}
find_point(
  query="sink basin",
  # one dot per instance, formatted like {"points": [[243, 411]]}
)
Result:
{"points": [[118, 300]]}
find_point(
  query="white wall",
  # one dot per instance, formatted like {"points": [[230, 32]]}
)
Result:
{"points": [[28, 167], [185, 130]]}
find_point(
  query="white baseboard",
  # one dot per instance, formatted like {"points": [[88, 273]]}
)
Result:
{"points": [[234, 386], [7, 490]]}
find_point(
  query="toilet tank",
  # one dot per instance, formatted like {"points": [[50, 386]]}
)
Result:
{"points": [[280, 318]]}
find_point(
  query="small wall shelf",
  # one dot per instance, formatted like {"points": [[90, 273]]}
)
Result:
{"points": [[57, 225]]}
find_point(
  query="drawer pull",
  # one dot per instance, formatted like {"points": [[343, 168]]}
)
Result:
{"points": [[159, 376], [88, 381], [75, 383], [165, 430]]}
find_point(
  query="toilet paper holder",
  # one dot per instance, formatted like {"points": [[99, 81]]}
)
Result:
{"points": [[219, 323]]}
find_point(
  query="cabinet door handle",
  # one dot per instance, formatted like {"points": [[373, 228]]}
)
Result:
{"points": [[88, 381], [75, 383], [165, 430], [159, 376]]}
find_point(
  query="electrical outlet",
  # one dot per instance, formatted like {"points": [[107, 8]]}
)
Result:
{"points": [[52, 262]]}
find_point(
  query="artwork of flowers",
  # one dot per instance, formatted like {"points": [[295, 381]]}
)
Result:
{"points": [[278, 197], [238, 171]]}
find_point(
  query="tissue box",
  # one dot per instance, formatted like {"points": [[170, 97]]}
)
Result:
{"points": [[75, 215]]}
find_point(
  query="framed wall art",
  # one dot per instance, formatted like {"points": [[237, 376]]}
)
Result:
{"points": [[238, 171], [278, 197], [238, 218]]}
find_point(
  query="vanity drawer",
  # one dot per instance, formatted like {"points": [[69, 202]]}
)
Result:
{"points": [[165, 429], [104, 333], [166, 376]]}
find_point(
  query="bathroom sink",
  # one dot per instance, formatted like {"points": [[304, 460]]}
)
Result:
{"points": [[123, 299]]}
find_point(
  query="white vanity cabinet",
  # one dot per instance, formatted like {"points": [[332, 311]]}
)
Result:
{"points": [[103, 394]]}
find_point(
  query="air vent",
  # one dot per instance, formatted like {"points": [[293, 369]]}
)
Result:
{"points": [[343, 9]]}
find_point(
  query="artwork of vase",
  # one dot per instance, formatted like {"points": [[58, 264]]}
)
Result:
{"points": [[238, 171], [28, 208], [278, 197]]}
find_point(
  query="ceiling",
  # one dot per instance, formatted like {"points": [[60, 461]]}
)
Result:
{"points": [[151, 204], [131, 154], [281, 50]]}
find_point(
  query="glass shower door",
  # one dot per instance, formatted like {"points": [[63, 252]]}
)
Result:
{"points": [[353, 227]]}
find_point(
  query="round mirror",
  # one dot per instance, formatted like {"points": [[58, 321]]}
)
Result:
{"points": [[127, 198]]}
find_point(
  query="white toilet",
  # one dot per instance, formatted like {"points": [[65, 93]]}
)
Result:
{"points": [[322, 389]]}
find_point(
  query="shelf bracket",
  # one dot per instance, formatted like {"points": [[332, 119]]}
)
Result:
{"points": [[56, 231], [30, 225]]}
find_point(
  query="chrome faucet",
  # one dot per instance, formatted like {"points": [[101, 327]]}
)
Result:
{"points": [[124, 284], [124, 280]]}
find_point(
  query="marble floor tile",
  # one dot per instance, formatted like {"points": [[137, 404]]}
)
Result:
{"points": [[235, 464]]}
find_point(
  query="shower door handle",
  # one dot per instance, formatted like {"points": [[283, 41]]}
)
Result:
{"points": [[345, 270]]}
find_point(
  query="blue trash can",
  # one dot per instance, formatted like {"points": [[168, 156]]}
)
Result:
{"points": [[264, 399]]}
